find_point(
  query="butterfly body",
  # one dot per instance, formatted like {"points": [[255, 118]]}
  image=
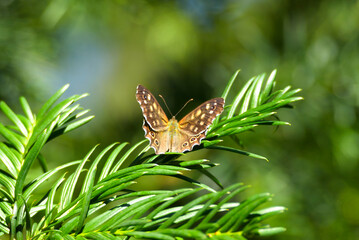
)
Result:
{"points": [[172, 135], [173, 126]]}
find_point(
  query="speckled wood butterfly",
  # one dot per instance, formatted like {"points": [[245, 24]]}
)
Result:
{"points": [[171, 135]]}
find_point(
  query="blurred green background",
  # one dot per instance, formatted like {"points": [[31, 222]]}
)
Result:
{"points": [[189, 49]]}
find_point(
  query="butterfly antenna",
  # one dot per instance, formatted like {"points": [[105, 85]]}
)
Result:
{"points": [[184, 106], [165, 104]]}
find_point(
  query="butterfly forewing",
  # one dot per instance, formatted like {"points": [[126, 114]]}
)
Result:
{"points": [[202, 117], [152, 111]]}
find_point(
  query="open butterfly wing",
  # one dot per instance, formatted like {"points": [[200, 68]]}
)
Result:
{"points": [[159, 141], [198, 120], [152, 111], [182, 142]]}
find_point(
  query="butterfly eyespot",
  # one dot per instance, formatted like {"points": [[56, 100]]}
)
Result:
{"points": [[185, 144], [145, 97], [152, 134], [192, 139], [156, 142], [212, 107]]}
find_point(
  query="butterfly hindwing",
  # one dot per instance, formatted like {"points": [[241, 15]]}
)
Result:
{"points": [[198, 120], [159, 141], [152, 111], [182, 142]]}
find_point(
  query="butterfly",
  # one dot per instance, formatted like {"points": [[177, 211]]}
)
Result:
{"points": [[172, 135]]}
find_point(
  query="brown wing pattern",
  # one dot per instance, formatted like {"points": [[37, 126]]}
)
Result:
{"points": [[158, 140], [152, 111], [197, 121], [182, 142]]}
